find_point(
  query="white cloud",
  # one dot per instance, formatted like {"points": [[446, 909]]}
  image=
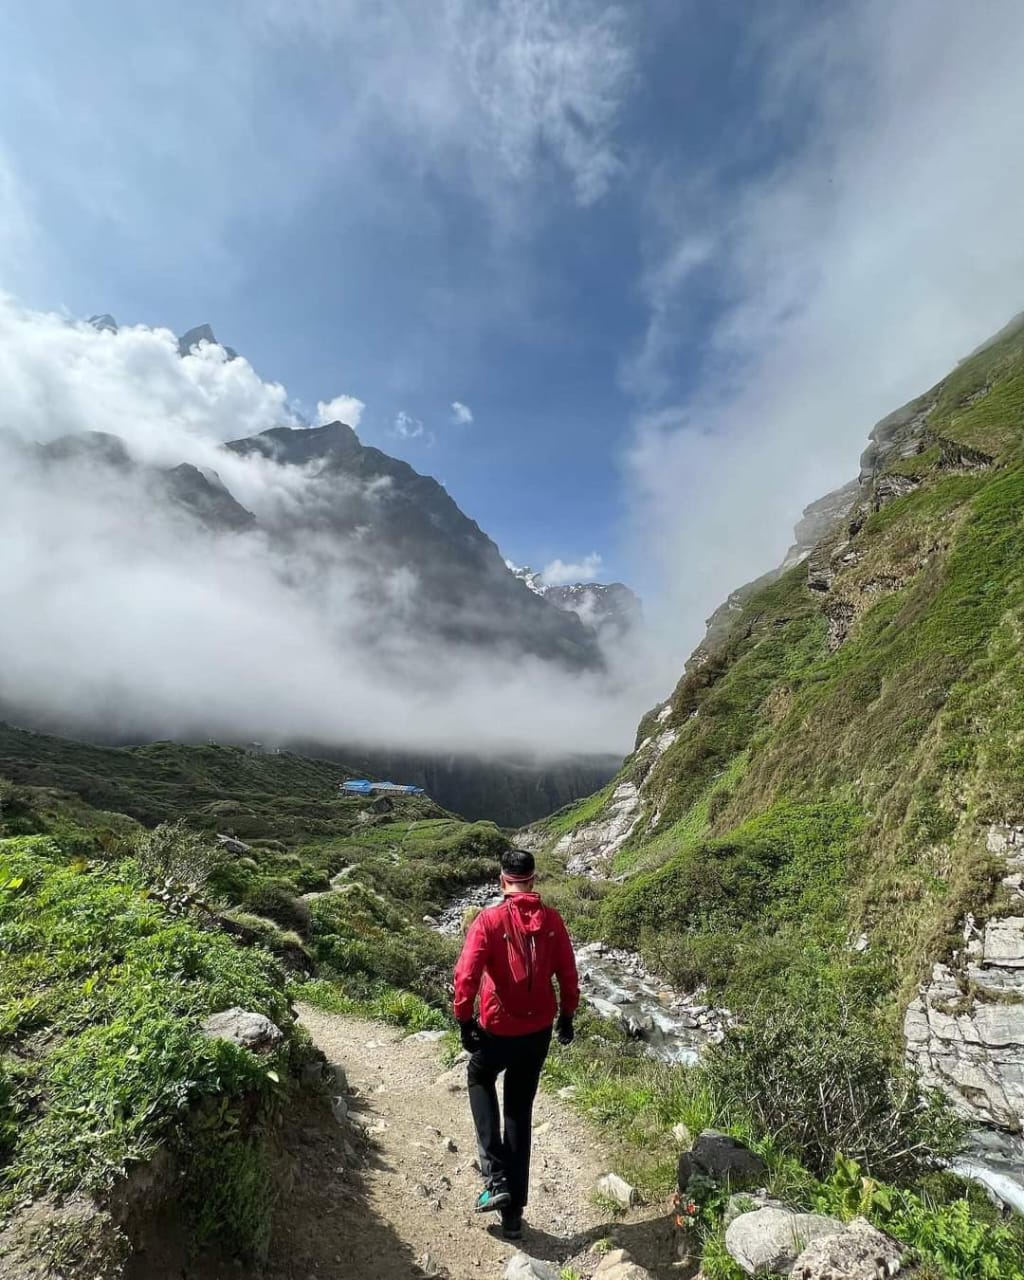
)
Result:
{"points": [[560, 572], [408, 427], [342, 408], [461, 413], [120, 609], [498, 86], [849, 277]]}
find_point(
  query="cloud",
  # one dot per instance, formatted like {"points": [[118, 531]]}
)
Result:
{"points": [[408, 427], [879, 244], [559, 572], [487, 92], [118, 608], [342, 408], [462, 414]]}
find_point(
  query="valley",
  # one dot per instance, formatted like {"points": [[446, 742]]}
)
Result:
{"points": [[796, 906]]}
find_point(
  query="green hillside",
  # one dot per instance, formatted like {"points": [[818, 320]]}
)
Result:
{"points": [[839, 753], [118, 938]]}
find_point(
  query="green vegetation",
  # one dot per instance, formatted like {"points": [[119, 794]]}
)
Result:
{"points": [[118, 941], [817, 790], [811, 840], [945, 1224], [102, 992]]}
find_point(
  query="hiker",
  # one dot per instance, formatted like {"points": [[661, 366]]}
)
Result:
{"points": [[511, 953]]}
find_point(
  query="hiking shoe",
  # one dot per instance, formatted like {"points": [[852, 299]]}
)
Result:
{"points": [[492, 1198], [511, 1225]]}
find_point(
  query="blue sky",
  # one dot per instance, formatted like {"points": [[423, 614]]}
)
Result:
{"points": [[675, 257]]}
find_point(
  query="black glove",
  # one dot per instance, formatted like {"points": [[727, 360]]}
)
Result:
{"points": [[564, 1029], [472, 1036]]}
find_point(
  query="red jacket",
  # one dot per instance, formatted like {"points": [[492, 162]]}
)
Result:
{"points": [[512, 952]]}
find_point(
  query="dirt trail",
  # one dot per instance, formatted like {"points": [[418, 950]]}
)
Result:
{"points": [[412, 1191]]}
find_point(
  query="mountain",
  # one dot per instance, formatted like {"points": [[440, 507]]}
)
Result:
{"points": [[612, 609], [831, 799], [387, 565], [392, 520]]}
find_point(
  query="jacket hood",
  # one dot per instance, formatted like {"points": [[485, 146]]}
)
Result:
{"points": [[527, 910]]}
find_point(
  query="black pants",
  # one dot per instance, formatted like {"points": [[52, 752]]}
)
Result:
{"points": [[506, 1160]]}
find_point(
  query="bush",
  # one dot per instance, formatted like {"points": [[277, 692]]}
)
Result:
{"points": [[171, 852], [276, 900], [815, 1076]]}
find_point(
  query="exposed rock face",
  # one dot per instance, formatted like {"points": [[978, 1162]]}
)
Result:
{"points": [[771, 1240], [896, 437], [202, 333], [819, 520], [965, 1030], [589, 848]]}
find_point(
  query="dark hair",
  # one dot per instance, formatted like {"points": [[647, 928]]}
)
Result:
{"points": [[518, 862]]}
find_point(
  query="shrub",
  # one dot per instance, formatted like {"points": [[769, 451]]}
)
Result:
{"points": [[276, 900], [816, 1077], [171, 852]]}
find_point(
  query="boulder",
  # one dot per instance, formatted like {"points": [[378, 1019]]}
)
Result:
{"points": [[719, 1156], [749, 1202], [771, 1240], [522, 1267], [242, 1027], [860, 1252], [618, 1189]]}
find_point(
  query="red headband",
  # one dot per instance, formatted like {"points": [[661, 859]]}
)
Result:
{"points": [[507, 875]]}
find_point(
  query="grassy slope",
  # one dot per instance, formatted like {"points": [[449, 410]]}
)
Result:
{"points": [[811, 795], [107, 974]]}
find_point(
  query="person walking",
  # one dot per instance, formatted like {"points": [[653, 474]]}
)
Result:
{"points": [[512, 953]]}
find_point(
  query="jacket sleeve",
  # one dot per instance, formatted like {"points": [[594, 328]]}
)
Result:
{"points": [[469, 970], [565, 969]]}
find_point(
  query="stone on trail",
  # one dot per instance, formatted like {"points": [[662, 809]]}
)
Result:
{"points": [[425, 1037], [619, 1265], [618, 1189], [340, 1108], [771, 1240], [244, 1028], [860, 1252], [522, 1267]]}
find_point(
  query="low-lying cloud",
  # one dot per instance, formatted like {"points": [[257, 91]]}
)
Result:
{"points": [[119, 609], [559, 572]]}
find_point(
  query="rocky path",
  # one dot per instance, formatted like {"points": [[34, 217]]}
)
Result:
{"points": [[401, 1206]]}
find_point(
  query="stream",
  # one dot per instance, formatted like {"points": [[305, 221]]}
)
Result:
{"points": [[616, 985], [674, 1026]]}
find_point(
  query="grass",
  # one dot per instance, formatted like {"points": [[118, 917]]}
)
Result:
{"points": [[101, 996]]}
